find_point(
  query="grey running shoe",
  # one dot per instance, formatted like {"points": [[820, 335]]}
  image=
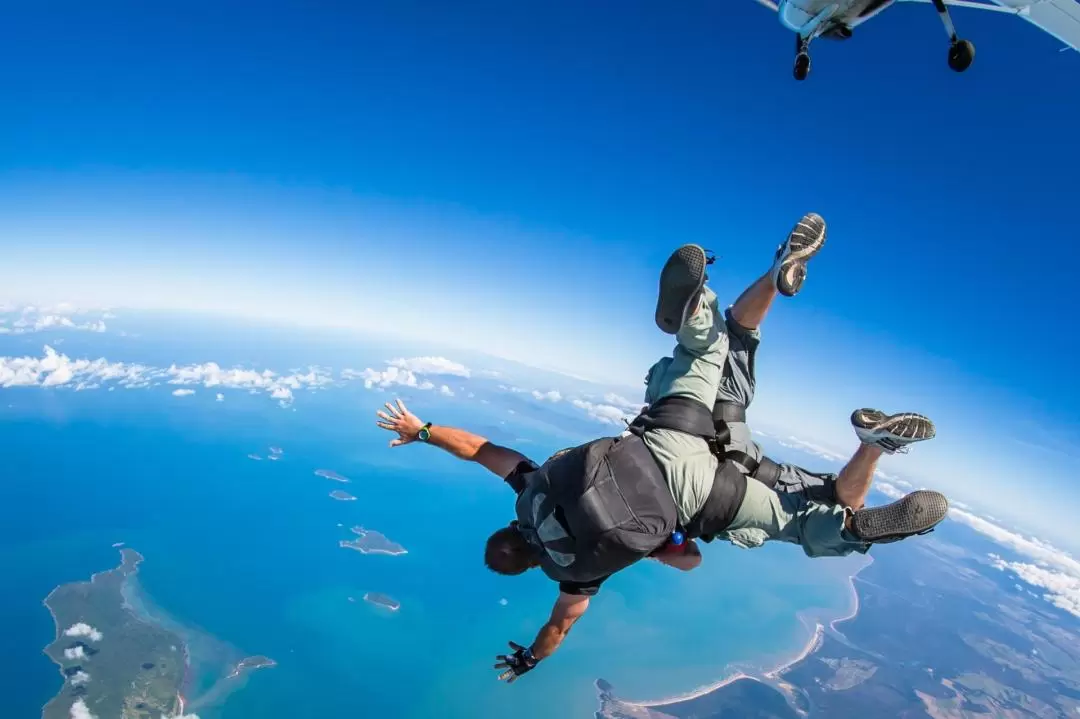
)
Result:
{"points": [[891, 432], [681, 282], [789, 268], [917, 513]]}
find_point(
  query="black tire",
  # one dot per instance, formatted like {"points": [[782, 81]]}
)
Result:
{"points": [[961, 55], [802, 66]]}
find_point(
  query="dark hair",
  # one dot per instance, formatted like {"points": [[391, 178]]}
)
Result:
{"points": [[508, 552]]}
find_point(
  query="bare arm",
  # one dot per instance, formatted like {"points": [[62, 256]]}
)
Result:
{"points": [[568, 609], [458, 442]]}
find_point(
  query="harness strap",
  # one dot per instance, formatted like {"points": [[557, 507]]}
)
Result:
{"points": [[764, 470], [728, 412]]}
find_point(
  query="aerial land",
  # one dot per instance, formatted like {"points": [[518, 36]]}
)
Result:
{"points": [[342, 496], [256, 457], [368, 541], [112, 663], [937, 633], [277, 451], [330, 474], [250, 664], [382, 600]]}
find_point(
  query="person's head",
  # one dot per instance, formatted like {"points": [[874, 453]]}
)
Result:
{"points": [[508, 552]]}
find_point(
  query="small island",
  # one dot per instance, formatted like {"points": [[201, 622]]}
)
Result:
{"points": [[113, 663], [250, 664], [255, 457], [382, 600], [330, 474], [342, 496], [277, 451], [369, 541]]}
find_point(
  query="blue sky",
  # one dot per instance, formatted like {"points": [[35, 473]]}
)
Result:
{"points": [[511, 178]]}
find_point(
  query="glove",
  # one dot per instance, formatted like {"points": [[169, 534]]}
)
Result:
{"points": [[516, 664]]}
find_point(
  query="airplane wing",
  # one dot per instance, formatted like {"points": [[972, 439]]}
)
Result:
{"points": [[1059, 18], [769, 4]]}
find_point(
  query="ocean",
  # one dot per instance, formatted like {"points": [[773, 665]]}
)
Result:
{"points": [[243, 556]]}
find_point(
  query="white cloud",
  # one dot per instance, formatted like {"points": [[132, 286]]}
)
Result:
{"points": [[34, 319], [79, 710], [83, 629], [617, 400], [803, 445], [605, 413], [550, 396], [183, 392], [76, 652], [79, 677], [1062, 590], [57, 370], [1049, 568], [889, 490], [407, 373], [220, 397], [446, 391], [1043, 553], [431, 365]]}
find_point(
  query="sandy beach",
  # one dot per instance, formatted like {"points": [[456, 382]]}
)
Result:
{"points": [[815, 640]]}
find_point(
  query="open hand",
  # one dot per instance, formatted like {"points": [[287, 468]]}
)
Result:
{"points": [[516, 664], [400, 420]]}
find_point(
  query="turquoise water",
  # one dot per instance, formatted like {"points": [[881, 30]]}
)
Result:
{"points": [[244, 555]]}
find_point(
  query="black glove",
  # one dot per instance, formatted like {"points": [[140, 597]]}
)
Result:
{"points": [[516, 664]]}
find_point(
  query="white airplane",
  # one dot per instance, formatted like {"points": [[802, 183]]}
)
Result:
{"points": [[836, 19]]}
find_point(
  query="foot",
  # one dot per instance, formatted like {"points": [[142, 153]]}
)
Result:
{"points": [[681, 282], [891, 432], [789, 268], [917, 513]]}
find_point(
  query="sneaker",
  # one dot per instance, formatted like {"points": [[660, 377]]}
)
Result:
{"points": [[789, 268], [681, 282], [917, 513], [891, 432]]}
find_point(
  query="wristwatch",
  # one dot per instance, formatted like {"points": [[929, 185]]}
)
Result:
{"points": [[425, 433]]}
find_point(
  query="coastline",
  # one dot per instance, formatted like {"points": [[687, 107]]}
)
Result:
{"points": [[817, 636], [128, 572]]}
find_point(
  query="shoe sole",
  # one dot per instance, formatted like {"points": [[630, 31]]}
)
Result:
{"points": [[917, 513], [804, 241], [681, 279], [905, 425]]}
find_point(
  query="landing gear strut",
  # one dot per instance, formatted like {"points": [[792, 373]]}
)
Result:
{"points": [[961, 52], [802, 57]]}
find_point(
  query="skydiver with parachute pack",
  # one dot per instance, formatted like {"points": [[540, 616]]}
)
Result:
{"points": [[684, 469]]}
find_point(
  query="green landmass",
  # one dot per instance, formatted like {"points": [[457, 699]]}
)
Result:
{"points": [[382, 600], [250, 664], [369, 541], [113, 663]]}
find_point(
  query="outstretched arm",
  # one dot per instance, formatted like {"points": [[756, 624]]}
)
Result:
{"points": [[458, 442], [567, 610]]}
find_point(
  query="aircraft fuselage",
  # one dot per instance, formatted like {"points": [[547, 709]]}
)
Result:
{"points": [[829, 18]]}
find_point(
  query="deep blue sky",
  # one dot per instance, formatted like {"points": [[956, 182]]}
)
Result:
{"points": [[519, 171]]}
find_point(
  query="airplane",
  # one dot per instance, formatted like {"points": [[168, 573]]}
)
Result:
{"points": [[836, 19]]}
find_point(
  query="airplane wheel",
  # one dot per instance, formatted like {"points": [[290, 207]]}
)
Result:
{"points": [[802, 66], [961, 55]]}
